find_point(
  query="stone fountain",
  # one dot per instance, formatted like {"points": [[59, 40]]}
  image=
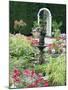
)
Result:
{"points": [[44, 30]]}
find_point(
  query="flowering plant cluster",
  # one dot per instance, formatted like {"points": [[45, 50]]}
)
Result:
{"points": [[57, 47], [25, 53], [35, 42], [16, 75], [29, 78]]}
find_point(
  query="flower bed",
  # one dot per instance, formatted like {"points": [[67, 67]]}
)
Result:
{"points": [[28, 78], [25, 70]]}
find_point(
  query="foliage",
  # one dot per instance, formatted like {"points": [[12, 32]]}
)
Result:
{"points": [[21, 51], [56, 70], [35, 23], [28, 12], [56, 25], [56, 28], [41, 69]]}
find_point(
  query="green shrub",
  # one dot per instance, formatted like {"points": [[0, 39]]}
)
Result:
{"points": [[56, 70], [21, 52]]}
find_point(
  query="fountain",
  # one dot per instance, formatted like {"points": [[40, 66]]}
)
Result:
{"points": [[44, 30]]}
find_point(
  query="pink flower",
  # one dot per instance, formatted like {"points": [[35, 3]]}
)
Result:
{"points": [[33, 74], [14, 75], [27, 72], [39, 80], [17, 72], [17, 79], [33, 85], [49, 45], [46, 83], [40, 75], [35, 42]]}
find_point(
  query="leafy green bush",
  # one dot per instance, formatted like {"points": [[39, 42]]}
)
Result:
{"points": [[56, 70], [21, 51]]}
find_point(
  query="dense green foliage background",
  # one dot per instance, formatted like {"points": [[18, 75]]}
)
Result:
{"points": [[28, 12]]}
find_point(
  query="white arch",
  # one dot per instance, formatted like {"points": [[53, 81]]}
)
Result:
{"points": [[48, 20]]}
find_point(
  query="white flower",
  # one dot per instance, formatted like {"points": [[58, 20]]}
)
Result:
{"points": [[46, 49], [53, 50]]}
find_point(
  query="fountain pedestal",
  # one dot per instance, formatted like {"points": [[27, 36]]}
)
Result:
{"points": [[45, 30], [41, 45]]}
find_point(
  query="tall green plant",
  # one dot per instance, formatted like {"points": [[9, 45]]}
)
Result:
{"points": [[56, 70], [56, 28]]}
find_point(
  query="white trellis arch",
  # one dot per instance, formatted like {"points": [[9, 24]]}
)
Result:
{"points": [[48, 20]]}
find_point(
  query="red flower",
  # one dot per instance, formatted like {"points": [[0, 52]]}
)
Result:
{"points": [[46, 83]]}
